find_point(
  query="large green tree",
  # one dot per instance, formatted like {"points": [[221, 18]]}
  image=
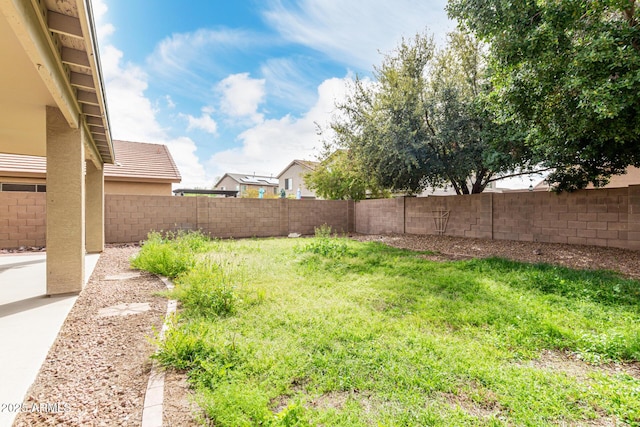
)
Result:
{"points": [[340, 177], [569, 73], [422, 122]]}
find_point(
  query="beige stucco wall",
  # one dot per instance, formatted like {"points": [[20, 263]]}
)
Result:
{"points": [[142, 188], [228, 184], [231, 184], [110, 187], [16, 180], [297, 173]]}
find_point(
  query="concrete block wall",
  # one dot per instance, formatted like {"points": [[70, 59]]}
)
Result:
{"points": [[604, 217], [380, 216], [305, 215], [231, 217], [587, 217], [23, 219], [464, 216], [129, 218], [600, 217], [633, 218]]}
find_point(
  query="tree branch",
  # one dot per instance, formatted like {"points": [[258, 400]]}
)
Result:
{"points": [[498, 178], [426, 120]]}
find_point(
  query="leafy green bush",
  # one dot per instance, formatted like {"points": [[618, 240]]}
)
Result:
{"points": [[205, 290], [323, 232], [326, 244], [172, 254], [184, 346]]}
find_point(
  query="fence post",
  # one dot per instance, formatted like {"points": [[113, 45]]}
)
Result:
{"points": [[633, 218]]}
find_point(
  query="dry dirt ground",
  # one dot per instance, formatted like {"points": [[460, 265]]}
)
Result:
{"points": [[623, 261], [99, 365]]}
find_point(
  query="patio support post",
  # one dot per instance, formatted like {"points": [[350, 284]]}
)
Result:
{"points": [[65, 205], [94, 181]]}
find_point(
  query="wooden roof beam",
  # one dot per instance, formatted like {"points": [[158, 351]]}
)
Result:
{"points": [[75, 57], [64, 24], [84, 81], [88, 97], [91, 110]]}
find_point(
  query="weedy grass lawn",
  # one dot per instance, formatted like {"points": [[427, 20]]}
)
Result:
{"points": [[329, 331]]}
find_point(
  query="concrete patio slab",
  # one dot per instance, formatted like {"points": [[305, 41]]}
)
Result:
{"points": [[29, 324]]}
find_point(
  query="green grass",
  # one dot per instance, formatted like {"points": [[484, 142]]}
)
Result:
{"points": [[171, 254], [332, 332]]}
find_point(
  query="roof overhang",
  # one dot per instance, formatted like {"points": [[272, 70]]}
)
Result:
{"points": [[51, 59]]}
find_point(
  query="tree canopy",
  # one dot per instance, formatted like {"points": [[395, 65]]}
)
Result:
{"points": [[339, 177], [568, 72], [422, 123]]}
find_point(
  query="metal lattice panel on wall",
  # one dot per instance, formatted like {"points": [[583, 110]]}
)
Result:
{"points": [[441, 218]]}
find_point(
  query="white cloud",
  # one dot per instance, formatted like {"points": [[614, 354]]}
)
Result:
{"points": [[186, 61], [354, 32], [286, 79], [204, 122], [241, 96], [170, 103], [270, 145], [132, 116], [104, 29]]}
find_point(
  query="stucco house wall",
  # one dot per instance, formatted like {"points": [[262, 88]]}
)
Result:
{"points": [[296, 171]]}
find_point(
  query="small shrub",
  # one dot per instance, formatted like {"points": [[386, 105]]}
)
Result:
{"points": [[184, 346], [205, 290], [323, 232], [159, 256], [327, 247], [325, 244], [172, 254]]}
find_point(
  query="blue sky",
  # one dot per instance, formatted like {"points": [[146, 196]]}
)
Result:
{"points": [[239, 86]]}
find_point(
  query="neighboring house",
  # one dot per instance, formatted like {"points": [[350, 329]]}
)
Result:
{"points": [[245, 183], [292, 178], [141, 168], [632, 177]]}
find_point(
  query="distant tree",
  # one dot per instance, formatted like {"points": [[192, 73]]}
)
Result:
{"points": [[569, 73], [339, 177], [423, 123]]}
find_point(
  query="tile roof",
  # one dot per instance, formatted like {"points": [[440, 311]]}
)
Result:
{"points": [[142, 160], [135, 161]]}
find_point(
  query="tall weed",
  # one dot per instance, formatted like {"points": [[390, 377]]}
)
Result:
{"points": [[206, 290], [170, 254]]}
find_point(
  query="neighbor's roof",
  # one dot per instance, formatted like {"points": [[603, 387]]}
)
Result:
{"points": [[304, 163], [250, 179], [142, 160], [137, 161]]}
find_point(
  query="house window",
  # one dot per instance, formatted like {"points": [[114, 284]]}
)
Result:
{"points": [[31, 188], [288, 184]]}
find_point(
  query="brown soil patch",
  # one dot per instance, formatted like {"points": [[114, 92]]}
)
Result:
{"points": [[570, 365], [448, 248], [180, 408]]}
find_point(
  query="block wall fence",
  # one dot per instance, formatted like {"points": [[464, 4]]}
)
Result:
{"points": [[601, 217], [130, 218]]}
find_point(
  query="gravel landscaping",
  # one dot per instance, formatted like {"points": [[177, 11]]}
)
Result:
{"points": [[98, 368]]}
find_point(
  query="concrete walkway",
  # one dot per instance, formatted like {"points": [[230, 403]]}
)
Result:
{"points": [[29, 324]]}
